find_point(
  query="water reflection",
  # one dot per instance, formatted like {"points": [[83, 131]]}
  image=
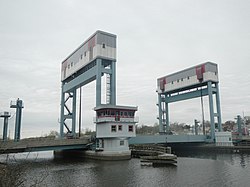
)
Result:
{"points": [[242, 160], [203, 169], [235, 158]]}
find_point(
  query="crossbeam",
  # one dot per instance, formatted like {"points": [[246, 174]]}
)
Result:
{"points": [[186, 96], [80, 80]]}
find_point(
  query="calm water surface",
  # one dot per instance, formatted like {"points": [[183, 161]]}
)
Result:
{"points": [[206, 170]]}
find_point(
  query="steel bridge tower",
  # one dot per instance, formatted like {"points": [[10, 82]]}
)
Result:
{"points": [[201, 80], [6, 116], [95, 58]]}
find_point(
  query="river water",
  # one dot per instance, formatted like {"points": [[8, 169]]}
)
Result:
{"points": [[203, 170]]}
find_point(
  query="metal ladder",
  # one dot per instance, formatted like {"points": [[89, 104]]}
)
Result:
{"points": [[108, 88]]}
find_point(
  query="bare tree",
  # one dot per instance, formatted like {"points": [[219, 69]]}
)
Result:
{"points": [[13, 174]]}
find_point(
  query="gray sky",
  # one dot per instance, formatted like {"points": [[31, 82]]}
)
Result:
{"points": [[155, 38]]}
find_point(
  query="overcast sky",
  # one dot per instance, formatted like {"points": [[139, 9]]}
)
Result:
{"points": [[154, 38]]}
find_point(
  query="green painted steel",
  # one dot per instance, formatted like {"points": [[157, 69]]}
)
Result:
{"points": [[19, 106], [160, 113], [6, 116], [43, 144], [80, 80], [204, 89], [96, 69], [218, 106], [55, 148], [239, 123], [98, 81], [62, 112], [186, 96], [211, 109], [5, 129], [74, 114], [161, 139]]}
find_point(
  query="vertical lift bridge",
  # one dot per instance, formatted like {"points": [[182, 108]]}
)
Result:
{"points": [[95, 58], [197, 81]]}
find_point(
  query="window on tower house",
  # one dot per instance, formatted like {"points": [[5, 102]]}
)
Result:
{"points": [[122, 143], [120, 128], [130, 128], [113, 128]]}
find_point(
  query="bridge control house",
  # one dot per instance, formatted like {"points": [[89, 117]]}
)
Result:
{"points": [[114, 126]]}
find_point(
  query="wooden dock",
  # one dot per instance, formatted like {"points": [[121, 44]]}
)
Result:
{"points": [[153, 154]]}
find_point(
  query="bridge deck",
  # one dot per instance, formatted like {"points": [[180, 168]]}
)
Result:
{"points": [[43, 144], [159, 139]]}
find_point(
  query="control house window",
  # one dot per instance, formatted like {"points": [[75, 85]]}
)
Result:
{"points": [[103, 46], [130, 128], [120, 128], [122, 143], [113, 128]]}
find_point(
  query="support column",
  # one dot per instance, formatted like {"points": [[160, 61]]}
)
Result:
{"points": [[18, 106], [5, 115], [98, 81], [239, 126], [5, 128], [80, 112], [113, 83], [167, 115], [74, 114], [160, 114], [211, 108], [218, 106], [19, 125], [196, 127], [62, 113], [16, 126]]}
